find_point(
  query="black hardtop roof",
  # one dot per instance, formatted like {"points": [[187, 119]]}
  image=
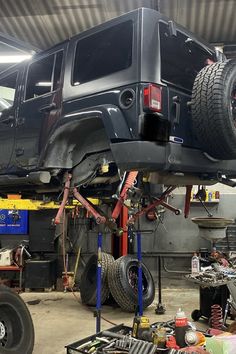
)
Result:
{"points": [[139, 12]]}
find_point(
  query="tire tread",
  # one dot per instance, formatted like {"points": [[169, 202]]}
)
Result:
{"points": [[212, 123]]}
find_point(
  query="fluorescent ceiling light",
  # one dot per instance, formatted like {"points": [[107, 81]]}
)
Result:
{"points": [[44, 83], [9, 59]]}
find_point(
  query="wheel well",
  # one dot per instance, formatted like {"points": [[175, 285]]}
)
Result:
{"points": [[72, 141]]}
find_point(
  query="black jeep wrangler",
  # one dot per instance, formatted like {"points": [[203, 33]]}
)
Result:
{"points": [[136, 93]]}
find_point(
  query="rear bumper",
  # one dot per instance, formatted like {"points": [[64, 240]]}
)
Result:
{"points": [[149, 156]]}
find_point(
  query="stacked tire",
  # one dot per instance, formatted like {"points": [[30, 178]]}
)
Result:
{"points": [[123, 283], [119, 279], [88, 284]]}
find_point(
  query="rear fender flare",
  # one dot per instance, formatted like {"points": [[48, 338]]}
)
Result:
{"points": [[83, 132]]}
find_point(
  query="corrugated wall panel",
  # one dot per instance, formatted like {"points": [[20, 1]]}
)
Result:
{"points": [[44, 23], [213, 20]]}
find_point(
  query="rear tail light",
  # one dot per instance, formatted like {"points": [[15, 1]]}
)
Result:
{"points": [[152, 98]]}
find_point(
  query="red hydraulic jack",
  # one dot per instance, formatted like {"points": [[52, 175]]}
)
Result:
{"points": [[123, 195]]}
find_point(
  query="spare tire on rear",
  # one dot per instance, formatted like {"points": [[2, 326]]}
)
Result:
{"points": [[88, 282], [16, 327], [214, 109], [123, 283]]}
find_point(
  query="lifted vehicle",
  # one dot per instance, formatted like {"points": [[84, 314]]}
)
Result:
{"points": [[137, 93]]}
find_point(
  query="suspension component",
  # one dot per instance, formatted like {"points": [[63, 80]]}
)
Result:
{"points": [[100, 219], [187, 201], [158, 201], [216, 317], [64, 200], [171, 208]]}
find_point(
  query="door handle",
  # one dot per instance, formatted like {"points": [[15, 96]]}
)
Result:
{"points": [[176, 101], [20, 121], [8, 120], [48, 107]]}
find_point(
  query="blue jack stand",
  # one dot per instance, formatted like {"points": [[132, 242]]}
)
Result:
{"points": [[141, 323], [140, 275], [99, 284]]}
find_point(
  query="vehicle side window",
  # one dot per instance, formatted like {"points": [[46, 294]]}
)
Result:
{"points": [[103, 53], [7, 91], [44, 76], [181, 58]]}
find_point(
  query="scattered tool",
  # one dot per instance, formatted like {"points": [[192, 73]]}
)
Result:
{"points": [[141, 327]]}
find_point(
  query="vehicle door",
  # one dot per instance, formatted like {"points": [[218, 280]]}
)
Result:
{"points": [[40, 107], [8, 116]]}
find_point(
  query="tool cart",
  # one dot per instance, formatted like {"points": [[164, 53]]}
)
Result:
{"points": [[213, 293]]}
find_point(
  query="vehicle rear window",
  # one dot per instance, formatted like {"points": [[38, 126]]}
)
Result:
{"points": [[103, 53], [181, 57]]}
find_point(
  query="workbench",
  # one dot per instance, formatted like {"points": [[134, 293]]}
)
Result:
{"points": [[13, 268]]}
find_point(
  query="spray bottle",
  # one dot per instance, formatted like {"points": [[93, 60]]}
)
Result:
{"points": [[195, 264], [181, 327]]}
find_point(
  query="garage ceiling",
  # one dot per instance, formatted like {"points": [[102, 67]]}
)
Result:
{"points": [[43, 23]]}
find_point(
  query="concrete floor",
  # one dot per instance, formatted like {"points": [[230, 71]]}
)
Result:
{"points": [[59, 319]]}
